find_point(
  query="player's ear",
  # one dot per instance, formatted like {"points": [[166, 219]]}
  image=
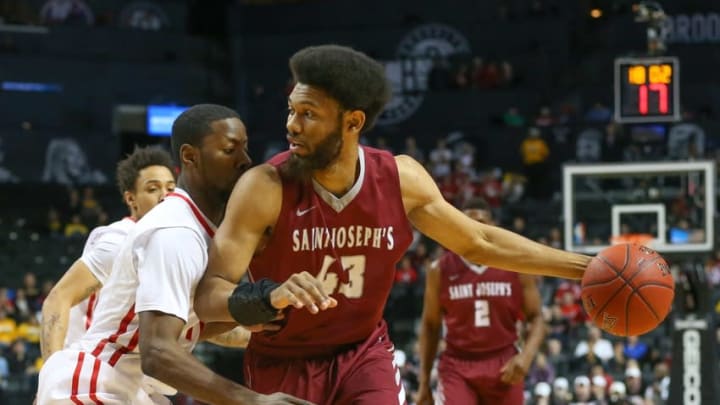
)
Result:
{"points": [[129, 198], [188, 155], [355, 121]]}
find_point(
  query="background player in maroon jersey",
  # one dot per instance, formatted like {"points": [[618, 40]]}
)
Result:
{"points": [[480, 307], [342, 213]]}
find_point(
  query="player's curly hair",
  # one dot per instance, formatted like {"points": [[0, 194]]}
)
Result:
{"points": [[128, 169], [193, 125], [352, 78]]}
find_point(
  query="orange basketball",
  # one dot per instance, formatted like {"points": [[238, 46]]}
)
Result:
{"points": [[627, 289]]}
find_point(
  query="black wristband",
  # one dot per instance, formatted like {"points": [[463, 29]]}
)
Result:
{"points": [[249, 304]]}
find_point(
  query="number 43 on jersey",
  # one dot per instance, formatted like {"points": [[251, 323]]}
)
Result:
{"points": [[354, 266]]}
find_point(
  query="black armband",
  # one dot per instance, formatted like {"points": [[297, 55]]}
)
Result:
{"points": [[249, 304]]}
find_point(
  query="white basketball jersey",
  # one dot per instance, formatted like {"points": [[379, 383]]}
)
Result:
{"points": [[100, 251], [158, 268]]}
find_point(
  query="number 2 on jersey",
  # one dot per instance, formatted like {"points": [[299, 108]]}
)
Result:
{"points": [[482, 313], [354, 265]]}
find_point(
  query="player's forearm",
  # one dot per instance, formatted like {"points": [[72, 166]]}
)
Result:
{"points": [[536, 333], [174, 366], [503, 249], [211, 299], [53, 330], [429, 340], [226, 334]]}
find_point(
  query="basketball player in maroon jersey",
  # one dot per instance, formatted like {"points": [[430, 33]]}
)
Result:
{"points": [[480, 307], [342, 213]]}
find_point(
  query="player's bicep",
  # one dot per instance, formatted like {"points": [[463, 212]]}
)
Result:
{"points": [[253, 207], [532, 302], [158, 329], [431, 214]]}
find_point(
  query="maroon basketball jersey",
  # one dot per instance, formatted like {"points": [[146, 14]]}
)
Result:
{"points": [[351, 244], [481, 306]]}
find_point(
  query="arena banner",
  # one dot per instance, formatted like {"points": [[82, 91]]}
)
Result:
{"points": [[72, 160], [694, 376]]}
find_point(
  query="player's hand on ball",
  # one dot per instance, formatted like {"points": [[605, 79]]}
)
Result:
{"points": [[515, 370], [279, 398], [302, 290]]}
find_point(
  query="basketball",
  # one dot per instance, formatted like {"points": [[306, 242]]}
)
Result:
{"points": [[627, 289]]}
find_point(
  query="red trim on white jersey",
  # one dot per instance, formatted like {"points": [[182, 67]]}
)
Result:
{"points": [[129, 316], [76, 379], [90, 309], [196, 211], [93, 382]]}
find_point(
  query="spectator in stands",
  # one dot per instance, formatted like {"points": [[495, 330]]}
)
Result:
{"points": [[54, 224], [22, 364], [599, 384], [582, 393], [557, 357], [381, 143], [22, 305], [441, 158], [541, 394], [541, 370], [75, 228], [613, 148], [595, 349], [535, 152], [555, 238], [634, 382], [659, 389], [31, 290], [406, 274], [599, 370], [617, 365], [617, 393], [489, 76], [635, 349], [412, 150], [29, 330], [8, 328], [513, 119], [544, 118], [6, 304], [561, 391], [419, 256], [73, 205], [90, 206]]}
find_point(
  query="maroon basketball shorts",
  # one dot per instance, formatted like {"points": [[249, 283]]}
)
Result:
{"points": [[363, 375], [477, 381]]}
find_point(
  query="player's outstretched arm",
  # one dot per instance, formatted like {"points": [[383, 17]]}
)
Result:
{"points": [[479, 243], [430, 328], [515, 370], [76, 284], [165, 360]]}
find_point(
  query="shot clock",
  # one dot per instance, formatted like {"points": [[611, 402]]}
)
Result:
{"points": [[647, 89]]}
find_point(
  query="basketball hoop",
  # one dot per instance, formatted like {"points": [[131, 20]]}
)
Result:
{"points": [[644, 239]]}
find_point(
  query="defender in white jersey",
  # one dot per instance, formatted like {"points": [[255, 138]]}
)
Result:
{"points": [[147, 324], [144, 178]]}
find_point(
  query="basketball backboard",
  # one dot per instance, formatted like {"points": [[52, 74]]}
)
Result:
{"points": [[668, 206]]}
